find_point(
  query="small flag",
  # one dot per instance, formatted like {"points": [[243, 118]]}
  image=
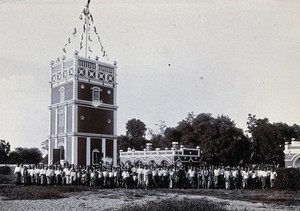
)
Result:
{"points": [[75, 31], [92, 19]]}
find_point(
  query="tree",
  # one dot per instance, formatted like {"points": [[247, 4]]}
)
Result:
{"points": [[268, 139], [136, 128], [123, 142], [4, 151], [135, 135], [45, 160], [171, 135], [158, 138], [218, 138], [45, 146], [25, 155]]}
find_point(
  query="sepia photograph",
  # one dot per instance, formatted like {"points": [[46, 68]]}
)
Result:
{"points": [[150, 105]]}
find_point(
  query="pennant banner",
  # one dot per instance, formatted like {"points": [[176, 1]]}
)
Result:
{"points": [[89, 30]]}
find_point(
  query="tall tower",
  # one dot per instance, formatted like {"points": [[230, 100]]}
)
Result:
{"points": [[83, 110]]}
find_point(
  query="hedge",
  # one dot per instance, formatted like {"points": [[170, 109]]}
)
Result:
{"points": [[288, 178], [5, 170]]}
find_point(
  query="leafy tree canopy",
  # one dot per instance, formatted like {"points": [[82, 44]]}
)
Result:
{"points": [[25, 155], [45, 146], [135, 135], [268, 139], [4, 151], [136, 128], [218, 138]]}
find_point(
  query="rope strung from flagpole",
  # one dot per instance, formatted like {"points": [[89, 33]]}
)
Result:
{"points": [[89, 30]]}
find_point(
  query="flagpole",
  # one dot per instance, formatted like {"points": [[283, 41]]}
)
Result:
{"points": [[86, 12], [86, 35]]}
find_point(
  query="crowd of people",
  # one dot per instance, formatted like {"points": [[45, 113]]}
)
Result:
{"points": [[148, 176]]}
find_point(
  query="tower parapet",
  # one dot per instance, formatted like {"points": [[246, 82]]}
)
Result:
{"points": [[83, 69]]}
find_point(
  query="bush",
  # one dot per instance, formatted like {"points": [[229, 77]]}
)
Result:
{"points": [[288, 178], [5, 170], [175, 204], [6, 179]]}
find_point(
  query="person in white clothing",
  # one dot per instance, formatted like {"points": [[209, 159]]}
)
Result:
{"points": [[37, 178], [17, 173], [67, 175], [139, 172], [125, 177], [227, 176], [146, 179], [73, 176], [216, 175], [273, 176], [245, 175], [234, 174]]}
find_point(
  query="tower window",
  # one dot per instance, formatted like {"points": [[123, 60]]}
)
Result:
{"points": [[61, 94], [96, 96], [61, 120]]}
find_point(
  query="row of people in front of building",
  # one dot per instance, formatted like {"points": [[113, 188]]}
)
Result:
{"points": [[148, 176], [200, 177]]}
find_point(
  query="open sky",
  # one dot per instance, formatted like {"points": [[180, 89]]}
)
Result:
{"points": [[231, 57]]}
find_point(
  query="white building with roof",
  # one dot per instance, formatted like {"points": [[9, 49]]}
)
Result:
{"points": [[292, 154], [175, 155]]}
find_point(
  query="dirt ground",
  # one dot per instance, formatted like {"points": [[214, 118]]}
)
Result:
{"points": [[114, 199]]}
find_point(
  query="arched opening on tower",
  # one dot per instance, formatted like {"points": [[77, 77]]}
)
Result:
{"points": [[58, 155], [96, 157]]}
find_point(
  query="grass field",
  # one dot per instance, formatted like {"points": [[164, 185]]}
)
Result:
{"points": [[37, 192], [138, 199], [189, 199], [176, 204], [46, 192]]}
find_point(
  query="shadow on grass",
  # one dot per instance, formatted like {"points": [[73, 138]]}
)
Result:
{"points": [[6, 179], [37, 192], [175, 204], [283, 197]]}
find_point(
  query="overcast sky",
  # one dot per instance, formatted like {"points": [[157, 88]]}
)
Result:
{"points": [[220, 57]]}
